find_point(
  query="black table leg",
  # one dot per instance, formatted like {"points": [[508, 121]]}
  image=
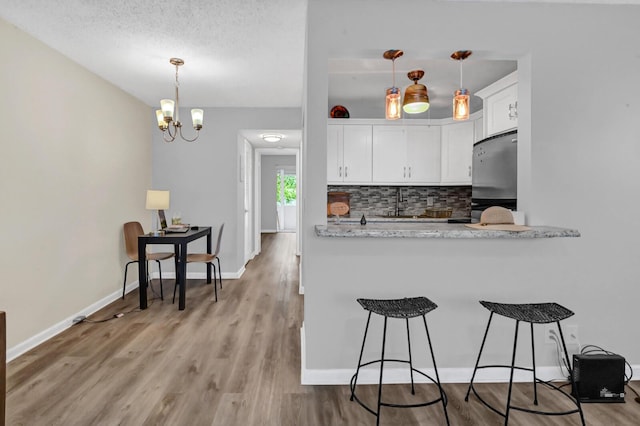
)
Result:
{"points": [[182, 276], [142, 274]]}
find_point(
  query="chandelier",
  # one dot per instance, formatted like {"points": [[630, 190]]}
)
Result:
{"points": [[168, 122]]}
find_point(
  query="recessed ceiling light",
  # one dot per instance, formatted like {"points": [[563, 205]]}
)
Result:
{"points": [[272, 137]]}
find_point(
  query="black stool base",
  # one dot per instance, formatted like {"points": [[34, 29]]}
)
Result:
{"points": [[354, 397], [526, 410]]}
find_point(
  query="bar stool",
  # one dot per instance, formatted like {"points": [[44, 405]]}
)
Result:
{"points": [[532, 313], [398, 308]]}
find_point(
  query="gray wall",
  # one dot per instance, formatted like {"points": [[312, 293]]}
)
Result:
{"points": [[579, 148], [203, 176], [67, 185], [270, 165]]}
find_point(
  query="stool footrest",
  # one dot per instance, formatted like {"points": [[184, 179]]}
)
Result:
{"points": [[354, 397], [527, 410]]}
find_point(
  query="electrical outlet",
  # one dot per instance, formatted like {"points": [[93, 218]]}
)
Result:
{"points": [[571, 335], [570, 332]]}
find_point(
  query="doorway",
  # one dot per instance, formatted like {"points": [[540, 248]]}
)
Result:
{"points": [[286, 200]]}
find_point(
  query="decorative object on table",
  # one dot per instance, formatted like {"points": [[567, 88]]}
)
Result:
{"points": [[176, 219], [363, 220], [497, 219], [416, 98], [461, 96], [158, 200], [392, 109], [339, 111], [171, 125], [132, 230]]}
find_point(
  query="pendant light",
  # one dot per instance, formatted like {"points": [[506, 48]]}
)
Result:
{"points": [[461, 96], [416, 99], [392, 103], [170, 124]]}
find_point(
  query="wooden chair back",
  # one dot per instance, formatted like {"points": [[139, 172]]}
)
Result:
{"points": [[132, 230]]}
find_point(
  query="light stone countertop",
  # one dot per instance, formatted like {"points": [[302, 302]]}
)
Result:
{"points": [[413, 229]]}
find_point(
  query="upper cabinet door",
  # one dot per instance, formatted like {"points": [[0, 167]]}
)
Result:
{"points": [[357, 153], [423, 154], [502, 109], [389, 154], [457, 152], [500, 105], [334, 153]]}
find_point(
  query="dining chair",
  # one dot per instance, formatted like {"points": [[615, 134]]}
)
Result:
{"points": [[132, 230], [209, 259]]}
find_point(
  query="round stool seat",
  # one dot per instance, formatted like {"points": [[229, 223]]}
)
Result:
{"points": [[409, 307], [537, 313]]}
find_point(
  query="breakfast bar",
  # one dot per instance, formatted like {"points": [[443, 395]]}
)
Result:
{"points": [[411, 229]]}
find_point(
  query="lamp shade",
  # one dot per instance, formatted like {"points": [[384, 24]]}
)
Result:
{"points": [[393, 110], [461, 105], [416, 98], [196, 117], [157, 200], [167, 106], [161, 123]]}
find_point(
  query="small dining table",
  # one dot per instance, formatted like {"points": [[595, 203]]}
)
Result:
{"points": [[179, 241]]}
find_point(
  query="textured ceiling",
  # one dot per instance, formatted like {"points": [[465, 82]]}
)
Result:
{"points": [[237, 53], [230, 47]]}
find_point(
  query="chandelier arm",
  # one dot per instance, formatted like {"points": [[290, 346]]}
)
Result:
{"points": [[172, 137], [188, 140]]}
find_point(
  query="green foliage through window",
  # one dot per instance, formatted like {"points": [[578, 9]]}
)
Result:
{"points": [[289, 189]]}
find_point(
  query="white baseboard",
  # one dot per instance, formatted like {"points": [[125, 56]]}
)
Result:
{"points": [[61, 326], [393, 375], [268, 231]]}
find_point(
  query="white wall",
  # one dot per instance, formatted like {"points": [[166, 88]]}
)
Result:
{"points": [[204, 176], [579, 149], [270, 166], [68, 182]]}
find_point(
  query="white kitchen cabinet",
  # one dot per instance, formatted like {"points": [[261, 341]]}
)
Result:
{"points": [[406, 154], [348, 153], [500, 105], [457, 153]]}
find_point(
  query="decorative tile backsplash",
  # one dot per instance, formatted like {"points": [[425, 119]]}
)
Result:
{"points": [[381, 200]]}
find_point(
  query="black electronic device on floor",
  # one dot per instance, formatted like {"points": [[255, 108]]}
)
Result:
{"points": [[599, 377]]}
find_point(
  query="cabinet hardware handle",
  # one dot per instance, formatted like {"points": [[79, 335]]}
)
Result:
{"points": [[346, 171], [469, 171], [404, 173], [340, 171], [409, 172]]}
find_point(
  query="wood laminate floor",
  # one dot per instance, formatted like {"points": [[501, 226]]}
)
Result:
{"points": [[234, 362]]}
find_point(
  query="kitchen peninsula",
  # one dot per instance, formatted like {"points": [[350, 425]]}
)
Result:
{"points": [[433, 229]]}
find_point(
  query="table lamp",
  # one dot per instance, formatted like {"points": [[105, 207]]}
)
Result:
{"points": [[158, 200]]}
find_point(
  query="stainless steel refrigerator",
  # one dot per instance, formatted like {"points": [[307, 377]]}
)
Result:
{"points": [[495, 173]]}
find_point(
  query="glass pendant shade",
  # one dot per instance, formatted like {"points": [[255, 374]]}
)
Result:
{"points": [[197, 116], [461, 105], [167, 108], [393, 110], [416, 98], [461, 96], [161, 123]]}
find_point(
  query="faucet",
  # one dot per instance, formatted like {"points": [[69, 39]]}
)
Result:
{"points": [[399, 199]]}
